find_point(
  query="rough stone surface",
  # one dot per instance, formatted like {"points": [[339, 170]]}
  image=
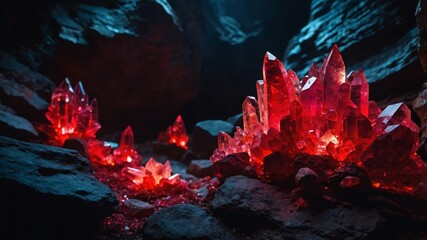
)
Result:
{"points": [[232, 165], [137, 207], [200, 168], [181, 169], [12, 125], [49, 192], [420, 108], [22, 99], [421, 15], [184, 221], [21, 73], [205, 136], [78, 144], [377, 27], [248, 202]]}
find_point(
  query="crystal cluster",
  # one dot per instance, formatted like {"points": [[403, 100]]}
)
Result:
{"points": [[175, 134], [327, 114], [71, 114]]}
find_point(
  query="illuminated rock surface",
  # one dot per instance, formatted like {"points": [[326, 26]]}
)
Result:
{"points": [[330, 115]]}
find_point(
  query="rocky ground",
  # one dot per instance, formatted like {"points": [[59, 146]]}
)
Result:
{"points": [[155, 59]]}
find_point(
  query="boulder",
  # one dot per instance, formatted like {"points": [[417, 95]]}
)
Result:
{"points": [[184, 221], [12, 125], [200, 168], [205, 136], [246, 202], [50, 192]]}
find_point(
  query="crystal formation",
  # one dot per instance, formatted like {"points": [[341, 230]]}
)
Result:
{"points": [[175, 134], [71, 114], [329, 114]]}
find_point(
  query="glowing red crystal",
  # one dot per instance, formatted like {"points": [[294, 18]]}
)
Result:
{"points": [[152, 175], [329, 114], [126, 154], [332, 74], [175, 134], [70, 114], [279, 91]]}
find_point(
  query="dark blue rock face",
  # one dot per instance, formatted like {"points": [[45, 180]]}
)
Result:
{"points": [[50, 192], [377, 36]]}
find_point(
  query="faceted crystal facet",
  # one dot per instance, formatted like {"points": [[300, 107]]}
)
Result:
{"points": [[332, 74], [360, 92], [279, 90], [250, 113]]}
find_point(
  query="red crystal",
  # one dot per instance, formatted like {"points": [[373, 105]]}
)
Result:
{"points": [[330, 115], [126, 154], [175, 134], [279, 91], [70, 114], [152, 175]]}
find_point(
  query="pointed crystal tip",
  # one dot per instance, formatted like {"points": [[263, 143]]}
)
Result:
{"points": [[269, 56]]}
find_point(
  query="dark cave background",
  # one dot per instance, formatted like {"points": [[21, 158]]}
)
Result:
{"points": [[148, 61]]}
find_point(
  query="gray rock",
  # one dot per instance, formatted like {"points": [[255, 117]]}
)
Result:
{"points": [[248, 202], [136, 207], [50, 191], [205, 136], [22, 99], [22, 74], [184, 221], [181, 169], [200, 168], [78, 144], [385, 30], [15, 126]]}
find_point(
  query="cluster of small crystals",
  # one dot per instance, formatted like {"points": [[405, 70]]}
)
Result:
{"points": [[121, 168], [327, 113], [175, 134], [71, 115]]}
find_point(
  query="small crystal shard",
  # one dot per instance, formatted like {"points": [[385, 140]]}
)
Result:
{"points": [[126, 154], [175, 134], [250, 114]]}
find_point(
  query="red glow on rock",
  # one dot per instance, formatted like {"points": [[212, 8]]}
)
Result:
{"points": [[329, 114], [175, 134], [70, 114]]}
